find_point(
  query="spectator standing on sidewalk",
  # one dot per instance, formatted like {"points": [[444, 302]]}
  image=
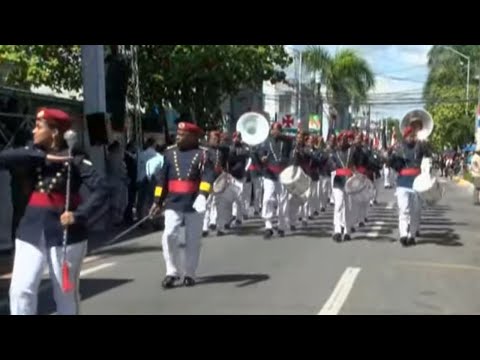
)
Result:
{"points": [[144, 186]]}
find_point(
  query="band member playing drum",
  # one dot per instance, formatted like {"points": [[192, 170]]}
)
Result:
{"points": [[313, 170], [253, 187], [183, 184], [233, 204], [237, 166], [341, 162], [274, 155], [406, 159], [41, 236], [331, 147], [324, 183], [362, 165], [301, 156], [217, 154]]}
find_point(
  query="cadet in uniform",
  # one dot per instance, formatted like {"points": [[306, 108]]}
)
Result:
{"points": [[341, 163], [324, 184], [40, 234], [406, 159], [275, 156], [237, 162], [183, 184], [217, 154], [254, 184]]}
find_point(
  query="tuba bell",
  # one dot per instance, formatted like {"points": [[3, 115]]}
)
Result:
{"points": [[254, 128], [421, 121]]}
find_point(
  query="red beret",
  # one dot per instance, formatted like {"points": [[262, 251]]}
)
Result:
{"points": [[276, 126], [350, 134], [55, 117], [190, 128], [407, 131], [237, 134]]}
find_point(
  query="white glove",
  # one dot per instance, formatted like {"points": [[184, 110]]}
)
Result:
{"points": [[200, 204]]}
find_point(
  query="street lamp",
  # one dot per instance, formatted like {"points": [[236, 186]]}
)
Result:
{"points": [[468, 72]]}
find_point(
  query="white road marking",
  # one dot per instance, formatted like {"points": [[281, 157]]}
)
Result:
{"points": [[377, 226], [87, 260], [438, 265], [96, 268], [342, 290], [4, 302]]}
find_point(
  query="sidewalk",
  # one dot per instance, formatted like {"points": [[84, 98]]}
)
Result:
{"points": [[462, 182]]}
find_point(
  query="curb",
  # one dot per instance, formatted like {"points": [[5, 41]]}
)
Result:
{"points": [[462, 182]]}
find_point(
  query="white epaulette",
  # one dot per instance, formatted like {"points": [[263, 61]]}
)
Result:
{"points": [[203, 148], [171, 147]]}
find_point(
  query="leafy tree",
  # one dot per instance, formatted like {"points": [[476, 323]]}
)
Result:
{"points": [[193, 78], [347, 77], [57, 67]]}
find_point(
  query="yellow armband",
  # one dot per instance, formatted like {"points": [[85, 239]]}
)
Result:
{"points": [[158, 191], [205, 186]]}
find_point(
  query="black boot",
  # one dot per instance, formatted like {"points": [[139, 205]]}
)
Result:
{"points": [[337, 238], [293, 228], [268, 234], [204, 233], [361, 225], [352, 230], [411, 241], [404, 241], [169, 282], [281, 233], [220, 233], [188, 281], [346, 237]]}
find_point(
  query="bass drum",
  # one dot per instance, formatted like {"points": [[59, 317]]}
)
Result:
{"points": [[356, 184], [296, 181], [224, 187], [428, 188]]}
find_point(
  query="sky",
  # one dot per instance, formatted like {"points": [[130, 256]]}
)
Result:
{"points": [[398, 68]]}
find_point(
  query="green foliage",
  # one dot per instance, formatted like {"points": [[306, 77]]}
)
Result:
{"points": [[193, 78], [347, 77], [58, 67], [453, 128], [445, 94], [197, 78]]}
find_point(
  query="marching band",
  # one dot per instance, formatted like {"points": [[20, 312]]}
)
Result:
{"points": [[294, 179], [282, 179]]}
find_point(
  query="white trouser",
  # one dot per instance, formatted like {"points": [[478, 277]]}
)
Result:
{"points": [[342, 212], [376, 186], [324, 191], [247, 196], [387, 176], [257, 182], [409, 212], [476, 196], [274, 192], [332, 178], [313, 203], [210, 217], [296, 209], [193, 242], [239, 209], [28, 267], [361, 210]]}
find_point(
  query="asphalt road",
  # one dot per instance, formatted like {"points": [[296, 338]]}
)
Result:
{"points": [[305, 273]]}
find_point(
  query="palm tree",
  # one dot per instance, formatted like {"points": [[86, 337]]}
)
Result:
{"points": [[347, 77]]}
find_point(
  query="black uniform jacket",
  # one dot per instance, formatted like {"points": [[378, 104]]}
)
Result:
{"points": [[47, 199]]}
